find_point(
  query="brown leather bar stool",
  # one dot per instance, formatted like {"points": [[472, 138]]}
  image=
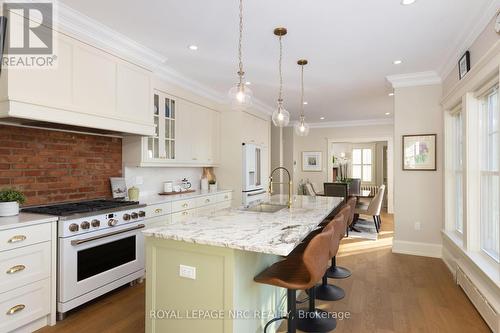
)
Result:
{"points": [[300, 271], [337, 272], [326, 291]]}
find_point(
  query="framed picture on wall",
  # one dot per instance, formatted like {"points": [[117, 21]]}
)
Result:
{"points": [[419, 152], [312, 161], [464, 65]]}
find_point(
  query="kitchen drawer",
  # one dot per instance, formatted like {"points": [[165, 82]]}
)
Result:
{"points": [[14, 238], [183, 216], [25, 304], [206, 200], [205, 210], [177, 206], [24, 265], [158, 209], [158, 221], [224, 196], [223, 205]]}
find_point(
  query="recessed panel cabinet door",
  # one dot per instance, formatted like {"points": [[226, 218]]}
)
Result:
{"points": [[185, 131], [94, 81], [48, 86], [133, 94]]}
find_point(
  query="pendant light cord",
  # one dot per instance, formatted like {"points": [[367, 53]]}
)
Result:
{"points": [[302, 93], [280, 97], [240, 64]]}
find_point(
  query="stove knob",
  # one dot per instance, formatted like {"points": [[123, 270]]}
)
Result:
{"points": [[126, 217], [73, 227], [85, 225], [142, 213], [96, 223], [134, 215], [112, 222]]}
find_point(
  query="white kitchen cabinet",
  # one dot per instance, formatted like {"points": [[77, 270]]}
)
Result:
{"points": [[186, 134], [87, 87], [183, 215], [255, 130], [28, 277]]}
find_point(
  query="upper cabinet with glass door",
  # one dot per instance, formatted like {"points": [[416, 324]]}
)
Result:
{"points": [[161, 146]]}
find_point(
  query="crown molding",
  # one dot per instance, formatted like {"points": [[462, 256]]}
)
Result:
{"points": [[470, 34], [93, 32], [414, 79], [349, 123]]}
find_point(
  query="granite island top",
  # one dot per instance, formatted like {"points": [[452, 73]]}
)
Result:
{"points": [[270, 233]]}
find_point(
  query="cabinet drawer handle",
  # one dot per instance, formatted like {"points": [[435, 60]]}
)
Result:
{"points": [[207, 200], [185, 213], [194, 159], [226, 197], [15, 269], [16, 239], [158, 210], [185, 205], [15, 308]]}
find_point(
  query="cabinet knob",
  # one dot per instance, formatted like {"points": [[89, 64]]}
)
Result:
{"points": [[16, 239], [185, 213], [15, 308], [158, 210], [207, 200], [15, 269], [185, 205]]}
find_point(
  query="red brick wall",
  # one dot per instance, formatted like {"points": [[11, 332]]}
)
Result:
{"points": [[52, 166]]}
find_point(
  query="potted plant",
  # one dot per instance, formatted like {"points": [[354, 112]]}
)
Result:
{"points": [[10, 200], [212, 185]]}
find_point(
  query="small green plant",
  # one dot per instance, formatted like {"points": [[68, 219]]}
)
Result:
{"points": [[212, 182], [9, 195]]}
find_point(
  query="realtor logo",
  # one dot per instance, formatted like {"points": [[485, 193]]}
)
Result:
{"points": [[29, 38], [29, 28]]}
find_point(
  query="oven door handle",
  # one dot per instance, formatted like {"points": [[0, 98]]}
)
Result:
{"points": [[90, 239]]}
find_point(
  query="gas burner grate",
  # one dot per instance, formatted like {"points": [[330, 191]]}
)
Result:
{"points": [[71, 208]]}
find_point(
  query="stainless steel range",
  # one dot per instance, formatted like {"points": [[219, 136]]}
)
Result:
{"points": [[100, 247]]}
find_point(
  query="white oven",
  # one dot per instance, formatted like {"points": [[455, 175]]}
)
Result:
{"points": [[94, 263]]}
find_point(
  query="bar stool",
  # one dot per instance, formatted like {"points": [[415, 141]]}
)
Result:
{"points": [[300, 271], [326, 291], [337, 272]]}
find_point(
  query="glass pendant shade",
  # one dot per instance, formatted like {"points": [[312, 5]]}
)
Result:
{"points": [[240, 97], [301, 128], [280, 117]]}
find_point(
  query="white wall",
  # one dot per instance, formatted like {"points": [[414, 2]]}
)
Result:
{"points": [[153, 178], [418, 194]]}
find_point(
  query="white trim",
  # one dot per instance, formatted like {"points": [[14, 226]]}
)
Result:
{"points": [[350, 123], [417, 249], [468, 37], [414, 79], [97, 34]]}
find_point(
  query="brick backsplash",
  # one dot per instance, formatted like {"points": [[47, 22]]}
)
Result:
{"points": [[54, 166]]}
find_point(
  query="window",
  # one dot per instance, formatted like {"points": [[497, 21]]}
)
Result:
{"points": [[457, 169], [490, 182], [362, 164]]}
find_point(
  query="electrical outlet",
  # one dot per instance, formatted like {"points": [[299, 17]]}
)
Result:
{"points": [[417, 226], [188, 272]]}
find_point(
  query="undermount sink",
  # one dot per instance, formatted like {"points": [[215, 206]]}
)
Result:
{"points": [[265, 208]]}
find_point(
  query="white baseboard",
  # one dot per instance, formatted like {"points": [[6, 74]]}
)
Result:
{"points": [[417, 249]]}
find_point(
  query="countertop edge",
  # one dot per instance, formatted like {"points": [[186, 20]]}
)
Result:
{"points": [[24, 220]]}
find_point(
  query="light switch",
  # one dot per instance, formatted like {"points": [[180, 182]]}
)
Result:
{"points": [[188, 272]]}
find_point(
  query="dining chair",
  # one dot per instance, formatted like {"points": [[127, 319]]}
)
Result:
{"points": [[373, 208], [310, 190], [355, 186], [336, 190]]}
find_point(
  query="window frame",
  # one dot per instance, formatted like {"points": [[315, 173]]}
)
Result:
{"points": [[372, 163]]}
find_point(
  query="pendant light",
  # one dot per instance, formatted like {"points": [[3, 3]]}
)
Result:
{"points": [[280, 116], [301, 128], [240, 96]]}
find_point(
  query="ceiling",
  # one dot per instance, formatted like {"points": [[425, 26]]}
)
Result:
{"points": [[350, 45]]}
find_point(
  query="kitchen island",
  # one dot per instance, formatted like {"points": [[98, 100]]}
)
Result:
{"points": [[199, 273]]}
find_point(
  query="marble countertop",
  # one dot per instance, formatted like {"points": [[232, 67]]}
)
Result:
{"points": [[24, 220], [270, 233], [157, 199]]}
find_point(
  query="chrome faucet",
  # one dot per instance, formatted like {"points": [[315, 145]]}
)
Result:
{"points": [[270, 189]]}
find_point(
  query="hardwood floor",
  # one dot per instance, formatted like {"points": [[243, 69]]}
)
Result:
{"points": [[386, 293]]}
